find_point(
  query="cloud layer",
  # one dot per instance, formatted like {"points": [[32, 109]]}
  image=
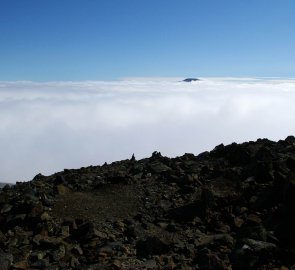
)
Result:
{"points": [[46, 127]]}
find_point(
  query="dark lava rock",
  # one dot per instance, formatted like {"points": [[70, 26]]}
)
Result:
{"points": [[186, 213], [231, 208], [152, 245], [290, 140], [6, 260], [252, 253]]}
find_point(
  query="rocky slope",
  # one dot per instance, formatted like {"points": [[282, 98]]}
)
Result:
{"points": [[231, 208], [3, 184]]}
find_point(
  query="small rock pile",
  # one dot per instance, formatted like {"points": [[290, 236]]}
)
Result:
{"points": [[231, 208]]}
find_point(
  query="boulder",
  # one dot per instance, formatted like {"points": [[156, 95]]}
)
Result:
{"points": [[152, 245]]}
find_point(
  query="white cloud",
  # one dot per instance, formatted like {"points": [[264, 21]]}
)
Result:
{"points": [[46, 127]]}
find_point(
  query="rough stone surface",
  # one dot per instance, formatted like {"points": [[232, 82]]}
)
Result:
{"points": [[231, 208]]}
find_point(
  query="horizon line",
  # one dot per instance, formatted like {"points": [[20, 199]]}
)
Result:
{"points": [[156, 78]]}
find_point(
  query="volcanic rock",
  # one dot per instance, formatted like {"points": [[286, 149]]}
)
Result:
{"points": [[231, 208]]}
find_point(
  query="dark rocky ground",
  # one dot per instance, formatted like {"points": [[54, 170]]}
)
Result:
{"points": [[3, 184], [231, 208]]}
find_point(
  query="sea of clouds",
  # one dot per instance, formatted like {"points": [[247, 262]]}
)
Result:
{"points": [[46, 127]]}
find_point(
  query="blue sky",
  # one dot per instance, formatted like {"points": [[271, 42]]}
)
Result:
{"points": [[53, 40]]}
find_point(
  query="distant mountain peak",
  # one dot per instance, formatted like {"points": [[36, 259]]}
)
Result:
{"points": [[191, 80]]}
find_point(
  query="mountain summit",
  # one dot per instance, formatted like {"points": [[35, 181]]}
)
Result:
{"points": [[191, 80]]}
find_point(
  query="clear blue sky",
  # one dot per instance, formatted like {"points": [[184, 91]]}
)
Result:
{"points": [[46, 40]]}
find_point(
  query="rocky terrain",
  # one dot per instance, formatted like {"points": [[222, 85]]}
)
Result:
{"points": [[3, 184], [231, 208]]}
